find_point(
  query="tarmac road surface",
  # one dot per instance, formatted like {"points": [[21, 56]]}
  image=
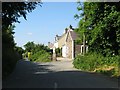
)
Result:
{"points": [[56, 74]]}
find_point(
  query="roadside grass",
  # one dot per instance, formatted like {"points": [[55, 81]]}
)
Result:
{"points": [[97, 63]]}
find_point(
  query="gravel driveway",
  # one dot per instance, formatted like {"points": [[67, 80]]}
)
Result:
{"points": [[56, 74]]}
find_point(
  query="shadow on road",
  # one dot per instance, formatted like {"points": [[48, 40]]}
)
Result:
{"points": [[35, 75]]}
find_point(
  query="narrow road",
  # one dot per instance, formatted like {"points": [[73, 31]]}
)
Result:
{"points": [[59, 74]]}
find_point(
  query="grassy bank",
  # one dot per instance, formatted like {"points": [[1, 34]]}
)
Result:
{"points": [[97, 63]]}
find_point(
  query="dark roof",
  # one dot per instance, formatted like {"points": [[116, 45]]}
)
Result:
{"points": [[73, 35], [61, 36]]}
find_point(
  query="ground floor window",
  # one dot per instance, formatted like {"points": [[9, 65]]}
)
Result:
{"points": [[86, 48]]}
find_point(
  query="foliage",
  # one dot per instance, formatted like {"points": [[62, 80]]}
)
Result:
{"points": [[11, 11], [29, 46], [79, 40], [7, 36], [9, 55], [41, 56], [38, 52], [9, 59], [58, 52], [100, 23], [39, 47], [98, 63], [32, 47], [19, 50]]}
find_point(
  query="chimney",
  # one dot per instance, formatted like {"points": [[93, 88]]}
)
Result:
{"points": [[66, 30], [70, 27], [48, 44], [56, 37]]}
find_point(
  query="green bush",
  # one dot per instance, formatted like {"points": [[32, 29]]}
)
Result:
{"points": [[41, 56], [9, 60], [58, 52], [97, 62], [87, 62]]}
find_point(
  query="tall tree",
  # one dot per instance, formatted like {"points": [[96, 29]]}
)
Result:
{"points": [[102, 25], [20, 50], [11, 11], [29, 46]]}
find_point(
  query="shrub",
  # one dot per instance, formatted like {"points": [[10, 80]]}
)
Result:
{"points": [[58, 52], [9, 60], [98, 63], [41, 56]]}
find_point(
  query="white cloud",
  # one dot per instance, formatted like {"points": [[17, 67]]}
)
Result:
{"points": [[29, 33]]}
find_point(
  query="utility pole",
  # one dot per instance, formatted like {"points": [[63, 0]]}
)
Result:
{"points": [[84, 39], [83, 43]]}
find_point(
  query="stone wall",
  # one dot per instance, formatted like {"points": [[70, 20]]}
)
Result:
{"points": [[69, 45], [69, 54], [61, 41]]}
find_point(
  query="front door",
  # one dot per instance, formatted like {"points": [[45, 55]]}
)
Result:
{"points": [[64, 51]]}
